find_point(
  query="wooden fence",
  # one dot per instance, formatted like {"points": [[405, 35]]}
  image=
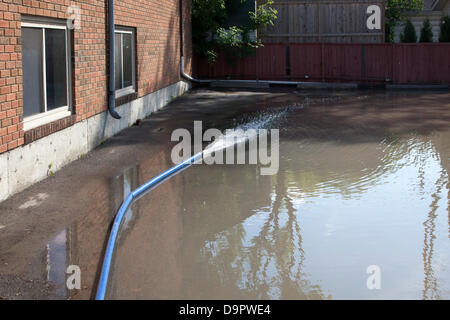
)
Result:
{"points": [[335, 62], [336, 21]]}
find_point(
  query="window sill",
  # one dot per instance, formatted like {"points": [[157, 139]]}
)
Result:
{"points": [[124, 92], [49, 128], [123, 99], [41, 119]]}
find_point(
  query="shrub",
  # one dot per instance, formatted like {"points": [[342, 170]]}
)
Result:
{"points": [[409, 34], [397, 11], [426, 33], [210, 31], [444, 35]]}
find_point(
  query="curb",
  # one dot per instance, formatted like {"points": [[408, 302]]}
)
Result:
{"points": [[327, 85], [417, 87], [322, 85], [239, 84]]}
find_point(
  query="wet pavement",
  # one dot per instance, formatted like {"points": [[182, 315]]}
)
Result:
{"points": [[363, 181]]}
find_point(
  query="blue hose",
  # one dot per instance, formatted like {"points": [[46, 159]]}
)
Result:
{"points": [[103, 283]]}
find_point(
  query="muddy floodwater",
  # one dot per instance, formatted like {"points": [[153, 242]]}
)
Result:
{"points": [[363, 185]]}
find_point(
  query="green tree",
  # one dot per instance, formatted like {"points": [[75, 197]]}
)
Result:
{"points": [[207, 15], [426, 33], [444, 34], [397, 11], [409, 34], [209, 32]]}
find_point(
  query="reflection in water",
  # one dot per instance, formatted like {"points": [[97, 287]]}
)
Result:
{"points": [[130, 178], [264, 253], [56, 262], [430, 290], [356, 183], [82, 243], [360, 183]]}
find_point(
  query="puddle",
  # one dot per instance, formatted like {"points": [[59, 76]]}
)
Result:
{"points": [[361, 183], [81, 244]]}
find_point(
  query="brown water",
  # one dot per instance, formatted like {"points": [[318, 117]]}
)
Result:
{"points": [[362, 181]]}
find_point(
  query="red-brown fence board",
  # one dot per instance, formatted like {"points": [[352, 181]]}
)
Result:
{"points": [[424, 63], [378, 62], [306, 61], [342, 62], [417, 63], [271, 62], [244, 68], [224, 68]]}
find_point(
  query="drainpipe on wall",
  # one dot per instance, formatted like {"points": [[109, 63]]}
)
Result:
{"points": [[183, 74], [112, 81]]}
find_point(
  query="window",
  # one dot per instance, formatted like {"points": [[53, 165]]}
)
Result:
{"points": [[46, 72], [124, 61]]}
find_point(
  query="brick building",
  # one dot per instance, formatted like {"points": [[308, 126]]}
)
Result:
{"points": [[54, 77]]}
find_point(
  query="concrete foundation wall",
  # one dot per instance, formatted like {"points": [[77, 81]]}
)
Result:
{"points": [[26, 165]]}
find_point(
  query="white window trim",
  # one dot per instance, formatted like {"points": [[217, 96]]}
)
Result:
{"points": [[125, 91], [42, 118], [42, 25], [130, 89]]}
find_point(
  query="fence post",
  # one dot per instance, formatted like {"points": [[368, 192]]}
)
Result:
{"points": [[363, 63], [288, 62], [393, 63], [323, 62], [257, 63]]}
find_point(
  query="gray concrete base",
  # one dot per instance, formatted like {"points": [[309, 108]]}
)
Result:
{"points": [[239, 84], [3, 176], [267, 84], [32, 163], [417, 87], [327, 85]]}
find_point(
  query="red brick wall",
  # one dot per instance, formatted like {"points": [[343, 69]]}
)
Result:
{"points": [[157, 64]]}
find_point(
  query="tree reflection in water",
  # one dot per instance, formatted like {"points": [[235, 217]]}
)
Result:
{"points": [[354, 188], [263, 256]]}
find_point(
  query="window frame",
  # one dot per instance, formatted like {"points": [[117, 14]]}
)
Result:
{"points": [[44, 117], [130, 89]]}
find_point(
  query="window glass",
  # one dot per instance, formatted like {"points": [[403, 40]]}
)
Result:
{"points": [[56, 68], [127, 60], [118, 60], [33, 101]]}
